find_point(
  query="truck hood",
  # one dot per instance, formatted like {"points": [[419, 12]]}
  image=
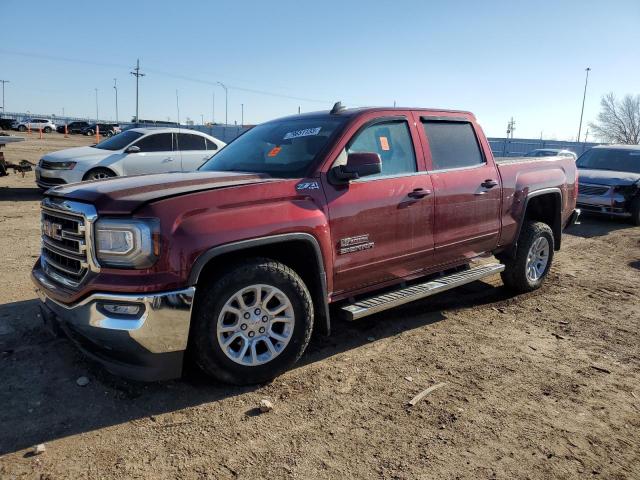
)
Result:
{"points": [[78, 154], [123, 195], [607, 177]]}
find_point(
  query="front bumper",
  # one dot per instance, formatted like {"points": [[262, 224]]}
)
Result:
{"points": [[610, 203], [148, 345], [51, 178]]}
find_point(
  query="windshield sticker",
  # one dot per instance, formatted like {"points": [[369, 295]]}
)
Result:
{"points": [[274, 151], [384, 143], [307, 132]]}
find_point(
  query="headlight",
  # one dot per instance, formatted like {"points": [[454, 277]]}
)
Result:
{"points": [[61, 165], [127, 243]]}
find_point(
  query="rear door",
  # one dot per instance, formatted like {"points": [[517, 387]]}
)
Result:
{"points": [[467, 189], [156, 155], [192, 150], [380, 227]]}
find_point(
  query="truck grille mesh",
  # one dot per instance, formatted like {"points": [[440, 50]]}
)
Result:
{"points": [[64, 249], [592, 189]]}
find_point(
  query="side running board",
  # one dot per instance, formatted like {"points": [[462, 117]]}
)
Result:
{"points": [[378, 303]]}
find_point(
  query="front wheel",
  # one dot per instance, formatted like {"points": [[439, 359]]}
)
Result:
{"points": [[528, 269], [22, 128], [98, 174], [252, 323], [635, 211], [47, 129]]}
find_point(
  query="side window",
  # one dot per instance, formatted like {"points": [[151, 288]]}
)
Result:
{"points": [[211, 145], [160, 142], [392, 141], [187, 142], [452, 144]]}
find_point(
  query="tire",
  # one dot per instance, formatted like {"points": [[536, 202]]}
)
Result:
{"points": [[534, 255], [635, 211], [22, 128], [98, 174], [47, 129], [247, 359], [89, 133]]}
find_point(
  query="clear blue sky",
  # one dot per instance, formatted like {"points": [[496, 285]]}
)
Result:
{"points": [[497, 59]]}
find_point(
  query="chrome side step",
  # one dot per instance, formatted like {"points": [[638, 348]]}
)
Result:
{"points": [[376, 304]]}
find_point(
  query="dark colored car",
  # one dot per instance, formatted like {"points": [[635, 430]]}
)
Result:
{"points": [[359, 209], [106, 129], [73, 127], [7, 123], [609, 181]]}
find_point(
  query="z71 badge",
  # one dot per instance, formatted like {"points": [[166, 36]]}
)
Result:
{"points": [[308, 186], [355, 244]]}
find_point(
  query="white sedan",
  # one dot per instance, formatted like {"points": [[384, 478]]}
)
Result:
{"points": [[132, 152]]}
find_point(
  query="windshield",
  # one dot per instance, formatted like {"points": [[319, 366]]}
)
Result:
{"points": [[119, 141], [611, 159], [283, 149]]}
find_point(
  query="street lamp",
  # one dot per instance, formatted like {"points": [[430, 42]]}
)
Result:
{"points": [[242, 115], [97, 116], [3, 82], [584, 96], [226, 103], [115, 87]]}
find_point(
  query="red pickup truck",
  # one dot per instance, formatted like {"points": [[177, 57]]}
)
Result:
{"points": [[297, 222]]}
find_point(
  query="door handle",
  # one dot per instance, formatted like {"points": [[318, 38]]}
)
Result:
{"points": [[168, 159], [489, 183], [419, 193]]}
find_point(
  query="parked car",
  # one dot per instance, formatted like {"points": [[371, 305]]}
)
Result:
{"points": [[73, 127], [47, 126], [106, 129], [551, 152], [241, 260], [609, 181], [7, 123], [133, 152]]}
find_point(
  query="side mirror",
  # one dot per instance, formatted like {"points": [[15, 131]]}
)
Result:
{"points": [[132, 149], [358, 165]]}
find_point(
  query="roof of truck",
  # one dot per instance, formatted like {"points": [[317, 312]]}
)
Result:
{"points": [[352, 112]]}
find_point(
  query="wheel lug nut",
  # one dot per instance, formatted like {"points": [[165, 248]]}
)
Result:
{"points": [[251, 334], [247, 315], [257, 311], [262, 329], [243, 326], [264, 319]]}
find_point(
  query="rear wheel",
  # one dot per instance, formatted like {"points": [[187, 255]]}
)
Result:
{"points": [[252, 323], [47, 129], [22, 128], [635, 211], [528, 269], [98, 174]]}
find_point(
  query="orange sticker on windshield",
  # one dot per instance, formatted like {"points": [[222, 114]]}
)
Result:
{"points": [[384, 143], [274, 151]]}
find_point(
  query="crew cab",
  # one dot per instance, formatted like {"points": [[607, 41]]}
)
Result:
{"points": [[298, 222]]}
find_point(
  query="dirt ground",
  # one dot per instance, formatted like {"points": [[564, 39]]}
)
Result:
{"points": [[544, 385]]}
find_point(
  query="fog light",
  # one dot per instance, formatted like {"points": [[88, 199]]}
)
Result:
{"points": [[121, 309]]}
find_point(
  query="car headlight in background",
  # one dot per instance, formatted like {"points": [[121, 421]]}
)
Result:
{"points": [[61, 165], [127, 243]]}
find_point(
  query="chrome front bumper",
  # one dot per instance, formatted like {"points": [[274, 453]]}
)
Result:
{"points": [[148, 345]]}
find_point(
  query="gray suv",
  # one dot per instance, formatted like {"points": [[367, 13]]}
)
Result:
{"points": [[609, 181]]}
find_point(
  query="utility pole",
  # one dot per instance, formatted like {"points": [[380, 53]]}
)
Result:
{"points": [[213, 108], [584, 96], [242, 115], [202, 118], [3, 82], [136, 73], [115, 87], [97, 116], [226, 103], [511, 126], [298, 109]]}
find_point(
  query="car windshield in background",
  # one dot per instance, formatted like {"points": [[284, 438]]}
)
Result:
{"points": [[619, 160], [119, 141], [283, 149]]}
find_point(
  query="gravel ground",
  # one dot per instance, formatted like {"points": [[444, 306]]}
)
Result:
{"points": [[543, 385]]}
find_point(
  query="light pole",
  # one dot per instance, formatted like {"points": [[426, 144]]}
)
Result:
{"points": [[202, 118], [136, 73], [242, 115], [97, 116], [226, 103], [584, 96], [213, 108], [115, 87], [3, 82]]}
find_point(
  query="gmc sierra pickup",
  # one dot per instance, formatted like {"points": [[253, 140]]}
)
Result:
{"points": [[298, 221]]}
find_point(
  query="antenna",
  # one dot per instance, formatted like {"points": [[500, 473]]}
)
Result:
{"points": [[337, 108]]}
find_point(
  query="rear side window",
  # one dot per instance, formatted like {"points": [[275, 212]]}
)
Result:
{"points": [[160, 142], [452, 144], [211, 145], [187, 141], [392, 141]]}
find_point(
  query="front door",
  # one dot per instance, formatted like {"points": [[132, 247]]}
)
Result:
{"points": [[156, 156], [467, 191], [381, 225]]}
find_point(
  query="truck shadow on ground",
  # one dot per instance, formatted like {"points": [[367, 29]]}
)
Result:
{"points": [[20, 194], [41, 401], [597, 226]]}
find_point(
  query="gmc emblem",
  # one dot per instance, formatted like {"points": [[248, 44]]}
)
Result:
{"points": [[53, 230]]}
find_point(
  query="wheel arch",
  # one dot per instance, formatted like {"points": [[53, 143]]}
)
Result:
{"points": [[84, 176], [292, 249]]}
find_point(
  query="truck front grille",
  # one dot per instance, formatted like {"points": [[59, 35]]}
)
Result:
{"points": [[66, 237], [592, 189]]}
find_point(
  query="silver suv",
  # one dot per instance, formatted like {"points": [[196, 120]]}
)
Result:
{"points": [[43, 124]]}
